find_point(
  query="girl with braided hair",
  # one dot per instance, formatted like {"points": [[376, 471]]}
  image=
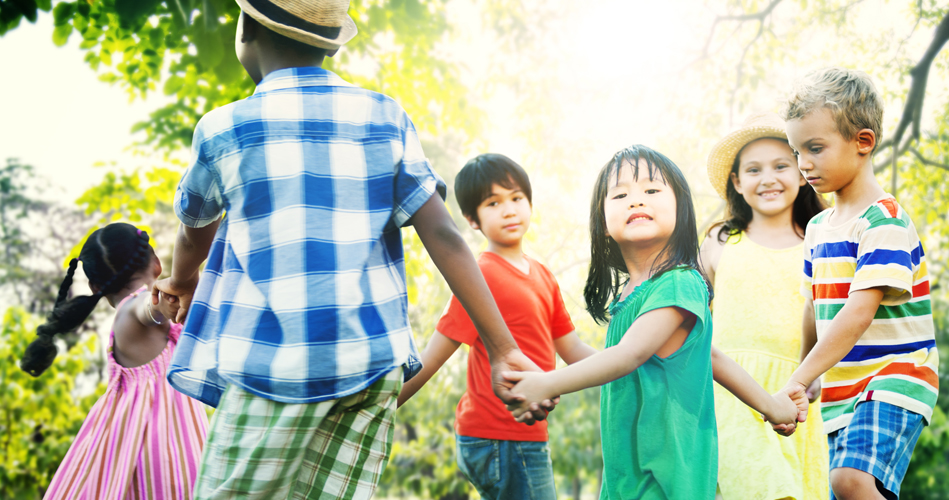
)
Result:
{"points": [[142, 439]]}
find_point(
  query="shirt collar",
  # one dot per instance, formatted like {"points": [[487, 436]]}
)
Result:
{"points": [[307, 76]]}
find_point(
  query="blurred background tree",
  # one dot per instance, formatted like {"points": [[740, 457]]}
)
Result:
{"points": [[558, 92]]}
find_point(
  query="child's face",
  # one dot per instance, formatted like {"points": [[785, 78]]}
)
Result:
{"points": [[768, 178], [504, 216], [640, 213], [828, 162]]}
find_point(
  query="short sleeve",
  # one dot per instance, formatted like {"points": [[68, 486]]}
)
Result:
{"points": [[807, 278], [885, 259], [560, 323], [682, 288], [456, 324], [415, 181], [198, 200]]}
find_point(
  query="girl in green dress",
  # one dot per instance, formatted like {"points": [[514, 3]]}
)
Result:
{"points": [[657, 414]]}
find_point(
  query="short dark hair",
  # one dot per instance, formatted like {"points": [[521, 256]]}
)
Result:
{"points": [[285, 43], [475, 180]]}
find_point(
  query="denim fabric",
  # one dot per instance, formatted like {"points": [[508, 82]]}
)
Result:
{"points": [[504, 470], [879, 441]]}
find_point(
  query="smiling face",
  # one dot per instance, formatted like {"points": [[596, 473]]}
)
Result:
{"points": [[828, 161], [768, 178], [504, 216], [640, 212]]}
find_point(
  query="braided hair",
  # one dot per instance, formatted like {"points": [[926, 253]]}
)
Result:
{"points": [[110, 257]]}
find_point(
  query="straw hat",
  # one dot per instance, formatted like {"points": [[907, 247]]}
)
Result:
{"points": [[722, 156], [321, 23]]}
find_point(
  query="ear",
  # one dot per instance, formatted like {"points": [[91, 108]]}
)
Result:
{"points": [[248, 28], [471, 222], [94, 288], [156, 265], [736, 182], [866, 140]]}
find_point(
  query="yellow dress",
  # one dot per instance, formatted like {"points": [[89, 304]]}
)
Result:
{"points": [[756, 319]]}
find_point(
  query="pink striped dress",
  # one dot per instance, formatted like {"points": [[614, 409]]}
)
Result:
{"points": [[141, 440]]}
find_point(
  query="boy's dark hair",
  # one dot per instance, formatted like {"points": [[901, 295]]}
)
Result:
{"points": [[806, 205], [474, 181], [110, 257], [285, 43], [608, 272]]}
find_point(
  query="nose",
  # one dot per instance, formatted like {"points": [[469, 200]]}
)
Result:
{"points": [[508, 209]]}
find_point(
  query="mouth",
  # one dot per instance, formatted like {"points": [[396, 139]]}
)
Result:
{"points": [[770, 195], [512, 227], [812, 179], [637, 217]]}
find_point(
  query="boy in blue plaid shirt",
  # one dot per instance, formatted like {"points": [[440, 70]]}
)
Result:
{"points": [[297, 331]]}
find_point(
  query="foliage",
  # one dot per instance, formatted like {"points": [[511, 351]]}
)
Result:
{"points": [[38, 416]]}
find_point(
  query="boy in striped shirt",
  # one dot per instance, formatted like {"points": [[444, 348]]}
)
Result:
{"points": [[868, 325]]}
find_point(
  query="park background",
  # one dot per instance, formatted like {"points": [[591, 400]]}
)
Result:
{"points": [[99, 98]]}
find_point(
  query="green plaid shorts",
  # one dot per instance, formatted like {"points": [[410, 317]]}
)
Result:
{"points": [[258, 448]]}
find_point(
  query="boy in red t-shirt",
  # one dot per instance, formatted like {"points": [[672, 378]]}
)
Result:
{"points": [[503, 459]]}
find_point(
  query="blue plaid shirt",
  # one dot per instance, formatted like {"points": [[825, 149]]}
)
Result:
{"points": [[303, 296]]}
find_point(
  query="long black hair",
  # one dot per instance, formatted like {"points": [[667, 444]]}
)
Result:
{"points": [[806, 205], [608, 272], [110, 257]]}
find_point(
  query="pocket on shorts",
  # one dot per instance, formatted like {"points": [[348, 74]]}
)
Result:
{"points": [[479, 460]]}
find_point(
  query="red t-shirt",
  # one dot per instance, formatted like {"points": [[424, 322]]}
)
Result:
{"points": [[534, 311]]}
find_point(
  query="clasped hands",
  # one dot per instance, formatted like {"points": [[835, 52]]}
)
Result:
{"points": [[173, 299]]}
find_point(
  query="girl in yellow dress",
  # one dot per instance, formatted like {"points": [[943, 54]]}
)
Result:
{"points": [[754, 259]]}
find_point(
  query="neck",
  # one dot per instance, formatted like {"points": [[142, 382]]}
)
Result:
{"points": [[771, 224], [640, 263], [511, 253], [856, 196], [270, 65], [134, 284]]}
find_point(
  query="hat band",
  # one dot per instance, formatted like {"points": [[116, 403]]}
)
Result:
{"points": [[278, 15]]}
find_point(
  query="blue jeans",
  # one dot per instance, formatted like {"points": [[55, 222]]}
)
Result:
{"points": [[504, 470]]}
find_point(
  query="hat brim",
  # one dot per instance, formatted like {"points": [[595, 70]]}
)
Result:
{"points": [[722, 157], [346, 33]]}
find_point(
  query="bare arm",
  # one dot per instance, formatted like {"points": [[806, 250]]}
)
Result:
{"points": [[776, 409], [643, 339], [808, 340], [456, 263], [438, 350], [191, 249], [710, 253], [571, 349], [850, 323]]}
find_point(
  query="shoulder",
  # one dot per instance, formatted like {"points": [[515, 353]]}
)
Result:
{"points": [[682, 279], [712, 246], [886, 212]]}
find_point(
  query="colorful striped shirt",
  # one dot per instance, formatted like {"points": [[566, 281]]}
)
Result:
{"points": [[895, 360]]}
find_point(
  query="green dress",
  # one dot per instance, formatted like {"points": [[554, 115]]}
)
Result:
{"points": [[658, 423]]}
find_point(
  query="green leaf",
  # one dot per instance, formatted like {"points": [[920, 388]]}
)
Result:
{"points": [[173, 84], [61, 34], [133, 12], [63, 12]]}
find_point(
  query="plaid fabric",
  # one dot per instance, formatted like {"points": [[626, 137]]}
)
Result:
{"points": [[262, 449], [303, 297], [879, 440]]}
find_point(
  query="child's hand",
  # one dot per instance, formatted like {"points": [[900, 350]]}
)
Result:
{"points": [[532, 387], [515, 360], [783, 411], [798, 394], [183, 292], [813, 390], [167, 305]]}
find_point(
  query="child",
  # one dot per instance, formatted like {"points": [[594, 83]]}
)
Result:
{"points": [[142, 439], [299, 332], [753, 259], [494, 194], [867, 292], [656, 409]]}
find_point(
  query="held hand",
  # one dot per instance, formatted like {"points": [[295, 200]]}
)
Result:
{"points": [[183, 291], [813, 390], [530, 385], [783, 411], [515, 360], [167, 304], [798, 394]]}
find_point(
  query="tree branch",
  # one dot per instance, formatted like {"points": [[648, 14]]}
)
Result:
{"points": [[927, 161], [755, 16]]}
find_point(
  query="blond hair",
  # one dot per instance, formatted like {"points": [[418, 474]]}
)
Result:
{"points": [[849, 95]]}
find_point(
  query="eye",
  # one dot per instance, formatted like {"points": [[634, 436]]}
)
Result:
{"points": [[619, 196], [652, 191], [782, 166], [492, 203], [816, 149], [752, 170]]}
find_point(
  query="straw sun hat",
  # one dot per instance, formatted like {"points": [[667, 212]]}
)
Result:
{"points": [[722, 156], [321, 23]]}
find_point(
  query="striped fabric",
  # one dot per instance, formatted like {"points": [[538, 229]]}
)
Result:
{"points": [[895, 360], [141, 440]]}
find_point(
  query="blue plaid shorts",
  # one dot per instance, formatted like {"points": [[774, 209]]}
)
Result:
{"points": [[879, 440]]}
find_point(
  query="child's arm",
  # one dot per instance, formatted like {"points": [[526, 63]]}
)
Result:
{"points": [[571, 349], [710, 253], [778, 409], [848, 326], [438, 350], [645, 337], [456, 263], [808, 339], [191, 249]]}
